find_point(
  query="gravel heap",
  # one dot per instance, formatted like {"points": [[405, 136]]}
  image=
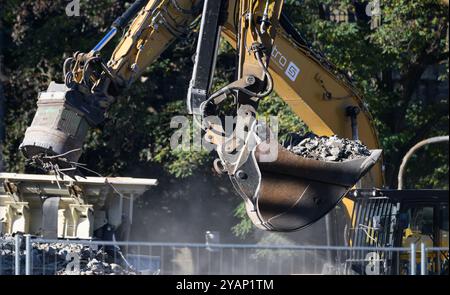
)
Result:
{"points": [[328, 149], [54, 259], [92, 261]]}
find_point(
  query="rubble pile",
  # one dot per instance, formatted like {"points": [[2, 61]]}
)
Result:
{"points": [[91, 261], [323, 148], [65, 259], [6, 255]]}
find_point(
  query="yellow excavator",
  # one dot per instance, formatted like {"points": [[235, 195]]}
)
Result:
{"points": [[282, 191]]}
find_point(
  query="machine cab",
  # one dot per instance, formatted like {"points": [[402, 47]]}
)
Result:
{"points": [[400, 218]]}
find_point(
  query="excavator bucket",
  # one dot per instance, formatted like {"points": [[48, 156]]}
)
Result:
{"points": [[294, 192]]}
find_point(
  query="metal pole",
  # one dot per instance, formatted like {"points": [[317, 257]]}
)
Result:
{"points": [[353, 113], [27, 255], [413, 259], [17, 254], [2, 99], [2, 118], [411, 152], [329, 238], [423, 260]]}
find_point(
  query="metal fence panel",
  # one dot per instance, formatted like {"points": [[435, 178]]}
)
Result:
{"points": [[56, 257], [11, 255]]}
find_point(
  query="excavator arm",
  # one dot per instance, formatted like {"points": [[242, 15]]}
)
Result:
{"points": [[282, 191]]}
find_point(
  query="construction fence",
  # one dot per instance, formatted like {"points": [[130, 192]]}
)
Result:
{"points": [[25, 255]]}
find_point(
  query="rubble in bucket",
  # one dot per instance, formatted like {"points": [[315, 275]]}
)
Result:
{"points": [[323, 148]]}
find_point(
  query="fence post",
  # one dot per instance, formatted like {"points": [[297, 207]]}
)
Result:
{"points": [[17, 254], [28, 255], [423, 260], [413, 259]]}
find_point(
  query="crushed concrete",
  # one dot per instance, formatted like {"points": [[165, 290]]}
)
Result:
{"points": [[328, 149], [92, 261], [64, 259], [7, 249]]}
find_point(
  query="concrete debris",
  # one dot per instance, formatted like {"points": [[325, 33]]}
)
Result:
{"points": [[328, 149], [7, 249], [85, 260], [65, 259]]}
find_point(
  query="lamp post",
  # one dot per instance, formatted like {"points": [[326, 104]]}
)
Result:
{"points": [[411, 153]]}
